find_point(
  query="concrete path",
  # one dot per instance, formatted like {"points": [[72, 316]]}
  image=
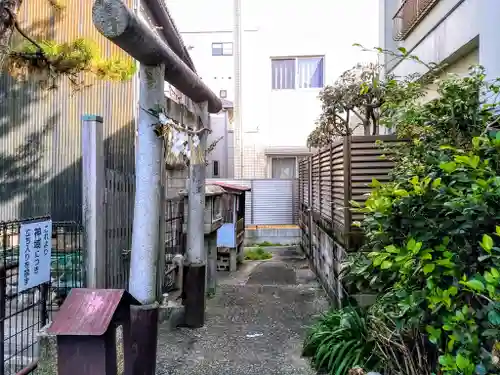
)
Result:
{"points": [[255, 323]]}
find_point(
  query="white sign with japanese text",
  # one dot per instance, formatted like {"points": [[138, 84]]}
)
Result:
{"points": [[35, 245]]}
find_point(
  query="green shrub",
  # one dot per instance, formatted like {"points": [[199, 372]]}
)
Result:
{"points": [[257, 253], [339, 341], [432, 233]]}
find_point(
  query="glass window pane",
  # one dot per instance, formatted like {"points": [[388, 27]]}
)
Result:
{"points": [[227, 49], [283, 168], [283, 74], [310, 72], [216, 49]]}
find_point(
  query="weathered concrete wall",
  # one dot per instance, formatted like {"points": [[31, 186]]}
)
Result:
{"points": [[325, 257], [176, 181], [281, 236]]}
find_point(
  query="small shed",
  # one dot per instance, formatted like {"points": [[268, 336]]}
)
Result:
{"points": [[231, 234], [213, 207]]}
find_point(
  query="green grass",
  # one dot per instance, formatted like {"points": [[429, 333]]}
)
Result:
{"points": [[266, 244], [257, 253]]}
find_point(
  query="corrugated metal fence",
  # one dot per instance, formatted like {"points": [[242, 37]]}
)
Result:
{"points": [[40, 140], [271, 201]]}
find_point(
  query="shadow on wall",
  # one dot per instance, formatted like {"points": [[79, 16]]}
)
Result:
{"points": [[66, 186], [40, 157], [25, 136], [24, 140]]}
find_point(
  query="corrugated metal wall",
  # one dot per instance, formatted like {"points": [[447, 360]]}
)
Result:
{"points": [[271, 201], [40, 136]]}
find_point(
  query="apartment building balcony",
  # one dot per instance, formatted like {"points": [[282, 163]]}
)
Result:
{"points": [[409, 15]]}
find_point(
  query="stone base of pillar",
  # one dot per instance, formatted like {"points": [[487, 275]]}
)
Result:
{"points": [[194, 297]]}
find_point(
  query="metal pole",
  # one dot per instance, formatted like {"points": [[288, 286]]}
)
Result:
{"points": [[93, 177], [238, 118], [196, 268], [145, 235]]}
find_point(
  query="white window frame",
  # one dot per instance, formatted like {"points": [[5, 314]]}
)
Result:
{"points": [[226, 48], [296, 71]]}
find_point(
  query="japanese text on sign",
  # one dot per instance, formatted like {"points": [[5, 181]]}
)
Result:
{"points": [[34, 253]]}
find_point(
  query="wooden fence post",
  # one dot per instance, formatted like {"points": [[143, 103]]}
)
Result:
{"points": [[311, 207], [347, 192]]}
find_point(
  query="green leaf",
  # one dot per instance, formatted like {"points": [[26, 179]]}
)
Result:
{"points": [[476, 142], [428, 268], [494, 317], [491, 332], [386, 264], [474, 284], [392, 249], [401, 193], [462, 362], [487, 243], [495, 273], [411, 244], [403, 50], [426, 255], [451, 344], [448, 167], [446, 360], [436, 183], [488, 276]]}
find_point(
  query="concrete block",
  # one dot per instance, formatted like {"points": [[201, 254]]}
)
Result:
{"points": [[233, 261], [47, 360], [171, 314], [281, 236]]}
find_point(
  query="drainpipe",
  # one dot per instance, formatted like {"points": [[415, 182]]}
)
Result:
{"points": [[226, 145], [238, 119]]}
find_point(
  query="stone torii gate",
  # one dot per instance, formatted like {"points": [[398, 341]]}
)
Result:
{"points": [[162, 58]]}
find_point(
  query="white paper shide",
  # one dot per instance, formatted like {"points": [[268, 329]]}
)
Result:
{"points": [[35, 245]]}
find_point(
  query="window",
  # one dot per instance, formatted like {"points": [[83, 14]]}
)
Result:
{"points": [[297, 73], [222, 49], [283, 168], [215, 172]]}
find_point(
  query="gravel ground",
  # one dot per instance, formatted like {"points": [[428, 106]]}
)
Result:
{"points": [[255, 323]]}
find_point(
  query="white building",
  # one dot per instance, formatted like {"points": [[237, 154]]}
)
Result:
{"points": [[290, 49], [459, 33]]}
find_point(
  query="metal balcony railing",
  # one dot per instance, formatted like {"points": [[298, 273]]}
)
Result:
{"points": [[408, 16]]}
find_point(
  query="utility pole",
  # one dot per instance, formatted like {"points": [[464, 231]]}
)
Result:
{"points": [[238, 118]]}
